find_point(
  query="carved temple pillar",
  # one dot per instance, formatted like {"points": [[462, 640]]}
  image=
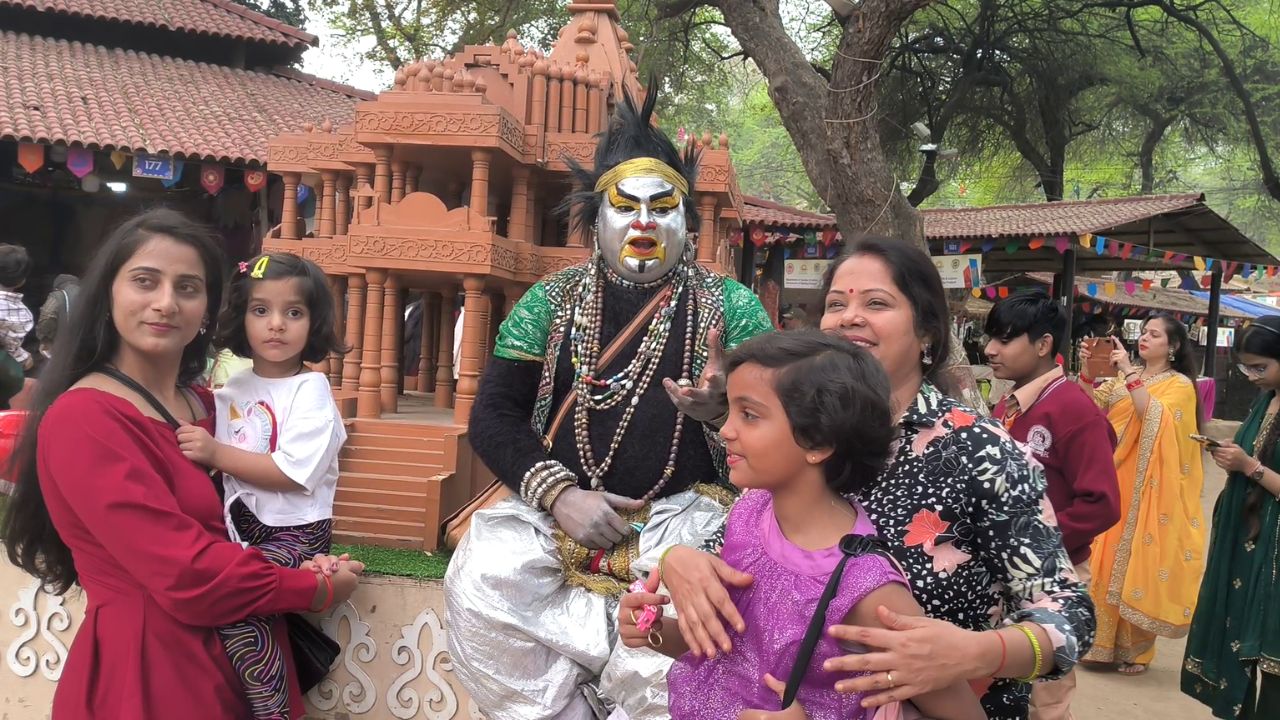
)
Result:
{"points": [[480, 160], [289, 207], [517, 224], [368, 401], [397, 181], [339, 284], [343, 206], [707, 229], [444, 356], [411, 175], [325, 204], [382, 174], [426, 352], [391, 317], [474, 327], [531, 214], [553, 99], [354, 339], [364, 176]]}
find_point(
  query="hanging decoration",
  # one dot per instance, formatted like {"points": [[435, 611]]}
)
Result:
{"points": [[118, 159], [757, 236], [31, 156], [212, 176], [177, 174], [80, 161], [255, 180]]}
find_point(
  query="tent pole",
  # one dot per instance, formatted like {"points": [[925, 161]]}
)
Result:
{"points": [[1211, 324]]}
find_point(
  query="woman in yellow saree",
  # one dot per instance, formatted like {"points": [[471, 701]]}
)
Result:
{"points": [[1147, 568]]}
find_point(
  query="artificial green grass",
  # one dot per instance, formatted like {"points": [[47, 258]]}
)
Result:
{"points": [[396, 561]]}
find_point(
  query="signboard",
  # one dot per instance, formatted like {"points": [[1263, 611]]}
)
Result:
{"points": [[156, 167], [804, 274], [954, 268]]}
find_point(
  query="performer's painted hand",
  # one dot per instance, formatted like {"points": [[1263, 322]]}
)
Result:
{"points": [[589, 517], [708, 401]]}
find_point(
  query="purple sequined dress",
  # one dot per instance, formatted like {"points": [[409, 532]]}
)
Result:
{"points": [[777, 608]]}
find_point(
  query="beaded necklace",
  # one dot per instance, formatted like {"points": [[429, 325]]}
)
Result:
{"points": [[630, 383]]}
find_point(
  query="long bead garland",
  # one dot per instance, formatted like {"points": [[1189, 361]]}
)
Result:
{"points": [[630, 383]]}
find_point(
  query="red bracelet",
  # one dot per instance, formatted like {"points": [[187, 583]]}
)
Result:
{"points": [[1004, 654], [1086, 378], [1133, 385], [328, 593]]}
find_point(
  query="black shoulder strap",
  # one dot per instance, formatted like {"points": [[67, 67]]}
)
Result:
{"points": [[135, 386], [850, 546]]}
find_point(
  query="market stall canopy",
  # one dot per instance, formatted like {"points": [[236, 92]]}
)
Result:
{"points": [[1164, 231], [1249, 307], [1131, 293]]}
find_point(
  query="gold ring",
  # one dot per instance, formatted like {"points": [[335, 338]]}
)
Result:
{"points": [[634, 619], [889, 677], [655, 638]]}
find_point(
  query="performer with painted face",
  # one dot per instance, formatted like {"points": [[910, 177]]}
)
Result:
{"points": [[605, 471]]}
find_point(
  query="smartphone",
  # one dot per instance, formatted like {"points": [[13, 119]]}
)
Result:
{"points": [[1099, 363], [1206, 441]]}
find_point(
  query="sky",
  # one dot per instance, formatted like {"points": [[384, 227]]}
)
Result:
{"points": [[333, 61]]}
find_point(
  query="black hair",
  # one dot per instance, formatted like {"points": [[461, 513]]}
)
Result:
{"points": [[917, 278], [835, 394], [1184, 357], [631, 134], [1261, 337], [322, 337], [15, 265], [1032, 313], [91, 341]]}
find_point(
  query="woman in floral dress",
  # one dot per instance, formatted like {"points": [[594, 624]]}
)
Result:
{"points": [[963, 511]]}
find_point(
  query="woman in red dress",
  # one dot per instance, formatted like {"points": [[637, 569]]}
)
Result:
{"points": [[107, 501]]}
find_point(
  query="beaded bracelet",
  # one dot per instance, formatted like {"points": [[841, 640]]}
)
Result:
{"points": [[1035, 650], [531, 472], [539, 479]]}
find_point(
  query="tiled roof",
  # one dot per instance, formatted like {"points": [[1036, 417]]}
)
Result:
{"points": [[219, 18], [758, 211], [1055, 218], [103, 98]]}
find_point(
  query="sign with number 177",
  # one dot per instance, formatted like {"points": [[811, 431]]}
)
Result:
{"points": [[153, 166]]}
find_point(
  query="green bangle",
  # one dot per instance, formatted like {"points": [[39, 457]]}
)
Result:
{"points": [[663, 557], [1035, 650]]}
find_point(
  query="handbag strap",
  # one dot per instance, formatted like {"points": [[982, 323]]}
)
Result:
{"points": [[850, 546], [610, 352], [144, 393]]}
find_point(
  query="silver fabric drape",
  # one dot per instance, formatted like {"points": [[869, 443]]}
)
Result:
{"points": [[526, 645]]}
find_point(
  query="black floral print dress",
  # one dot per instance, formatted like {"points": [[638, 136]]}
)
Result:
{"points": [[964, 511]]}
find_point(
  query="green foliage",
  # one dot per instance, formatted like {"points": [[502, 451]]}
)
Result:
{"points": [[287, 11], [396, 561]]}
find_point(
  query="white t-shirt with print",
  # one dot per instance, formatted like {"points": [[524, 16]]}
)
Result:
{"points": [[295, 420]]}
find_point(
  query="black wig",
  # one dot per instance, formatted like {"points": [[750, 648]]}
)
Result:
{"points": [[631, 134]]}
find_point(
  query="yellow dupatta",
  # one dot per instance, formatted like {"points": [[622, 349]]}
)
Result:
{"points": [[1147, 568]]}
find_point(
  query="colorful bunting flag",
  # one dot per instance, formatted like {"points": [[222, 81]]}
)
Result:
{"points": [[1011, 248], [991, 292], [1093, 288], [1109, 289], [1062, 243], [1099, 244], [212, 176], [30, 156], [255, 180], [1146, 284], [988, 246], [964, 246], [80, 161], [1086, 240], [118, 159], [977, 292], [177, 174], [1130, 287], [1036, 243], [1004, 291]]}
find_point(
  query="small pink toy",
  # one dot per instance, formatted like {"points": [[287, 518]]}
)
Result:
{"points": [[648, 614]]}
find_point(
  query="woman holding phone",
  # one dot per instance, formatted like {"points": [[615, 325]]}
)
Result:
{"points": [[1147, 568], [1234, 645]]}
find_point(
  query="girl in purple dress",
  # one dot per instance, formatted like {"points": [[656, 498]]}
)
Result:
{"points": [[809, 423]]}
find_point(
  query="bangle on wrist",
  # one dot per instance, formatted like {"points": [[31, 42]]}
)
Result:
{"points": [[549, 497], [1004, 654], [1133, 385], [663, 557], [1035, 651]]}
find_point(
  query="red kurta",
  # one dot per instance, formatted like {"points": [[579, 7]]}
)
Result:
{"points": [[145, 528]]}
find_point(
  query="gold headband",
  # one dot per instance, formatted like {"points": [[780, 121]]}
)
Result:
{"points": [[642, 167]]}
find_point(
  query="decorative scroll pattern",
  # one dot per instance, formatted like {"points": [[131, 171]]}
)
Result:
{"points": [[359, 695], [25, 615], [440, 700], [427, 123]]}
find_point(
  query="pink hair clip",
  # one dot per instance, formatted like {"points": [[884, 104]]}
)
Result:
{"points": [[244, 267], [648, 614]]}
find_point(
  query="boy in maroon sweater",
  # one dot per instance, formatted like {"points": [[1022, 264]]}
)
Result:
{"points": [[1065, 431]]}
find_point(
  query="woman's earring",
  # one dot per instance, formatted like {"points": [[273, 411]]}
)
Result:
{"points": [[925, 357], [1172, 355]]}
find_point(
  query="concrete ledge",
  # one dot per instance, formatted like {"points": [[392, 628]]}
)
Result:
{"points": [[394, 664]]}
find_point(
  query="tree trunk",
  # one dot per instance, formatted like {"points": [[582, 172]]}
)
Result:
{"points": [[833, 126], [1147, 152]]}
